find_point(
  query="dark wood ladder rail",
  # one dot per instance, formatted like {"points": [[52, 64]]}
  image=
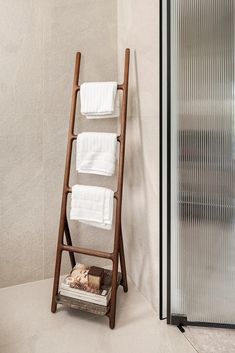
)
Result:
{"points": [[118, 248]]}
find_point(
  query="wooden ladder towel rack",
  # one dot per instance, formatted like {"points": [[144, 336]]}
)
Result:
{"points": [[118, 248]]}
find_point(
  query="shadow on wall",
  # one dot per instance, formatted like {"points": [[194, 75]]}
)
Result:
{"points": [[136, 203]]}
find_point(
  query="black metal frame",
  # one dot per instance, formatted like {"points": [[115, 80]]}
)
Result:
{"points": [[168, 161], [211, 324], [170, 316], [161, 166], [160, 169]]}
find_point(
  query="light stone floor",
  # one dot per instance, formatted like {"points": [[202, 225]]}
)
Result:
{"points": [[27, 325], [211, 340]]}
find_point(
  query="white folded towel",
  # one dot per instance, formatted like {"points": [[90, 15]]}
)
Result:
{"points": [[92, 205], [96, 153], [99, 100]]}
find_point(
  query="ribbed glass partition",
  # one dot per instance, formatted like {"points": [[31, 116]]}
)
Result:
{"points": [[202, 160]]}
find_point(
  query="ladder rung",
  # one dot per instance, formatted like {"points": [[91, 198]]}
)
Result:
{"points": [[74, 137], [69, 190], [90, 252], [119, 86]]}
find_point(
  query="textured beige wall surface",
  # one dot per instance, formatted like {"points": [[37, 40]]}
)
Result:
{"points": [[38, 41], [138, 29]]}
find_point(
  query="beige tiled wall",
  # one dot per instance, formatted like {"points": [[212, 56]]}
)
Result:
{"points": [[38, 41], [138, 29]]}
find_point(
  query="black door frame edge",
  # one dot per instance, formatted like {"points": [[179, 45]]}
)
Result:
{"points": [[168, 161], [160, 170], [168, 299]]}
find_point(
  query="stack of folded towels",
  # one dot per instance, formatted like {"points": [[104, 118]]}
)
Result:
{"points": [[92, 205], [96, 154]]}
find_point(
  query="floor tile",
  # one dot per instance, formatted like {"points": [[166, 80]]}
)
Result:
{"points": [[30, 327], [211, 340]]}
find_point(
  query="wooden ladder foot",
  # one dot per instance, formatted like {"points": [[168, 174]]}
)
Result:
{"points": [[53, 306], [111, 322], [125, 287]]}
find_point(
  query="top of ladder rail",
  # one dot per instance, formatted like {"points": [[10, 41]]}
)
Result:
{"points": [[120, 86]]}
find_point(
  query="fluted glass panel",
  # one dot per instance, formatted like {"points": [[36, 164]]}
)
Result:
{"points": [[202, 160]]}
